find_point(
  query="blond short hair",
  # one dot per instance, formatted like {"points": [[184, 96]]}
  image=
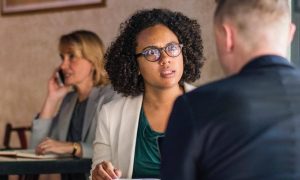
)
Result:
{"points": [[263, 9], [254, 16], [91, 48]]}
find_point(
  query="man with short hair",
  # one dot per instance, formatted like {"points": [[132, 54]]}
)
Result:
{"points": [[246, 126]]}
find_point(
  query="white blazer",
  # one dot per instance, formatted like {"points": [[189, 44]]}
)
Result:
{"points": [[116, 132]]}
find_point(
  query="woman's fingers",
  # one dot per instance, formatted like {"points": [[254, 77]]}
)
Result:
{"points": [[99, 173], [109, 169], [95, 174], [44, 146], [106, 171], [103, 174], [38, 150], [118, 172]]}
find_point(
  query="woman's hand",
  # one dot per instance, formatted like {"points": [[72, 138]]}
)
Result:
{"points": [[49, 145], [55, 94], [105, 171], [55, 91]]}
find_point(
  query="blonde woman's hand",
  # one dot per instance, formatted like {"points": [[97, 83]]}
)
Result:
{"points": [[55, 91], [106, 171], [55, 94], [49, 145]]}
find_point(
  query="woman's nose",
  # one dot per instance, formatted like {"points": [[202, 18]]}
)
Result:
{"points": [[164, 59], [65, 63]]}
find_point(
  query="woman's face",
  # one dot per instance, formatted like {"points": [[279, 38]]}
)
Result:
{"points": [[166, 72], [77, 70]]}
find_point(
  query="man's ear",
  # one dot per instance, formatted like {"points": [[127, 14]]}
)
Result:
{"points": [[229, 37], [292, 32]]}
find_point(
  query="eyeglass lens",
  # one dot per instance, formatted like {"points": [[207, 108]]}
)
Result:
{"points": [[154, 53]]}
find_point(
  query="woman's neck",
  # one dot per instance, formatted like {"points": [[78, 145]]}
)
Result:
{"points": [[161, 97], [157, 105], [84, 91]]}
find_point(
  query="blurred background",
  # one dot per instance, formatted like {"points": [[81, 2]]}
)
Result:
{"points": [[29, 52], [29, 47]]}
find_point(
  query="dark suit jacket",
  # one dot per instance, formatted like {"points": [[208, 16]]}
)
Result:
{"points": [[245, 127]]}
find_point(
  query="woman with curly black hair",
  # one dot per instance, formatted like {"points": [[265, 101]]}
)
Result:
{"points": [[156, 54]]}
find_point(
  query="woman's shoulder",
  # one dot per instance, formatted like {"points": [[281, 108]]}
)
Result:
{"points": [[106, 91], [104, 88], [124, 101]]}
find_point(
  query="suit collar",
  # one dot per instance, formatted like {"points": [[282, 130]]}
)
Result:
{"points": [[266, 61]]}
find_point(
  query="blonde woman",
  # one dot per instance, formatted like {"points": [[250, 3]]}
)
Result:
{"points": [[72, 129]]}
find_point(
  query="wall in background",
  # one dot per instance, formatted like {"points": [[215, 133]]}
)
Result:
{"points": [[28, 48]]}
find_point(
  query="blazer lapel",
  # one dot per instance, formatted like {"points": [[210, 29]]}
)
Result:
{"points": [[128, 131], [188, 87], [90, 112], [66, 115]]}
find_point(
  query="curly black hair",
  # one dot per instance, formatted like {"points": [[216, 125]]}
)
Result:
{"points": [[122, 66]]}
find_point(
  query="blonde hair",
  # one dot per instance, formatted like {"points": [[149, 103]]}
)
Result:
{"points": [[255, 17], [91, 48]]}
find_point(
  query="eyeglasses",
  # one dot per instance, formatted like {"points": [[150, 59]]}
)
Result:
{"points": [[153, 53]]}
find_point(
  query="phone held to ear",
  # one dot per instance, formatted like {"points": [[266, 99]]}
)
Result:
{"points": [[60, 78]]}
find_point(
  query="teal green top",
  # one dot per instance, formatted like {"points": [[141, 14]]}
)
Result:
{"points": [[147, 155]]}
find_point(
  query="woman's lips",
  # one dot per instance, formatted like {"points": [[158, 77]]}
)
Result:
{"points": [[167, 73]]}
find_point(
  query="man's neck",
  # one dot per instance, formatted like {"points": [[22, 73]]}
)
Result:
{"points": [[244, 58]]}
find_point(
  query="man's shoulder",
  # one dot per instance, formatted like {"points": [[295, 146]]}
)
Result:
{"points": [[215, 87], [215, 93]]}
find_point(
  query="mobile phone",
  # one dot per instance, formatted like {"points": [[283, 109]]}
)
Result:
{"points": [[60, 78]]}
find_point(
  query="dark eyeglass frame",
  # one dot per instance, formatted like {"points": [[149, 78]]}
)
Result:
{"points": [[143, 53]]}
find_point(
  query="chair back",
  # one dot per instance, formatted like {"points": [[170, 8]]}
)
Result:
{"points": [[21, 132]]}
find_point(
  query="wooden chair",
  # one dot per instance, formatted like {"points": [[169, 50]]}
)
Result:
{"points": [[21, 132]]}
